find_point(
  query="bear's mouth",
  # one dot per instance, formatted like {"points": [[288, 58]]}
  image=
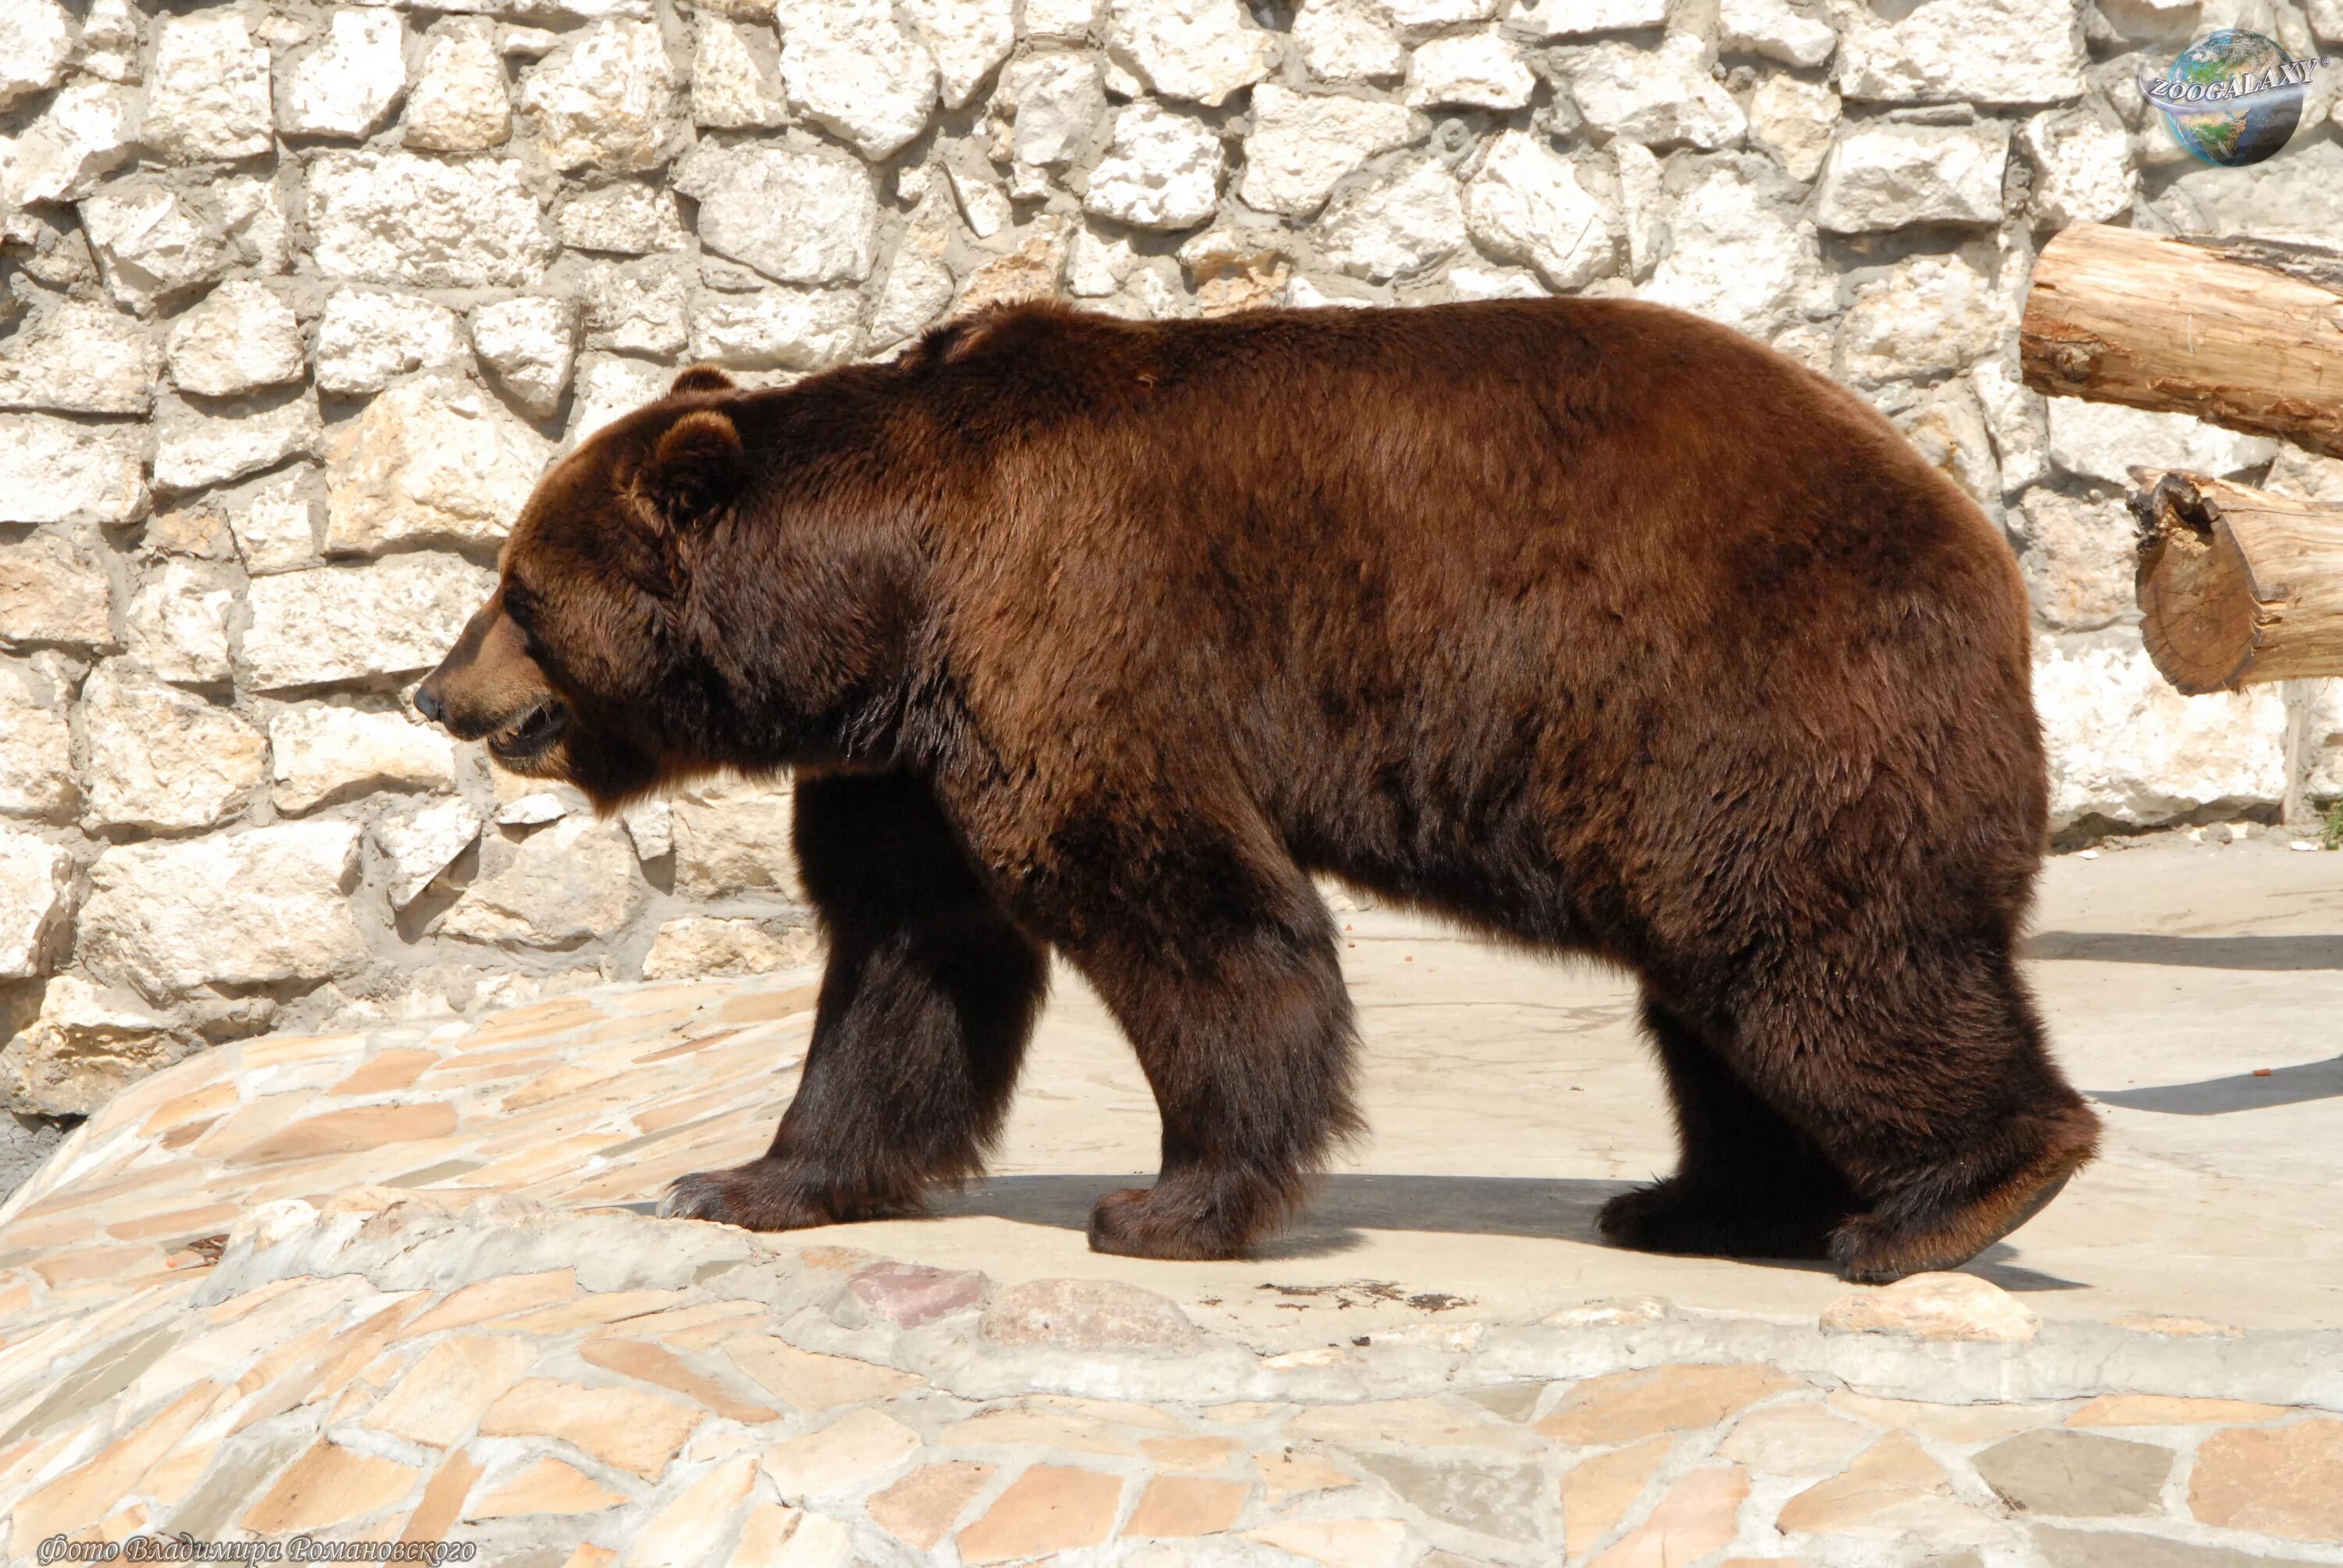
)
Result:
{"points": [[533, 733]]}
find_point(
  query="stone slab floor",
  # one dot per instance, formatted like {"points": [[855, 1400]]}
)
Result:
{"points": [[399, 1286]]}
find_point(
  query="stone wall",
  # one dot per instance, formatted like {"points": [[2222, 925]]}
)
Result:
{"points": [[302, 298]]}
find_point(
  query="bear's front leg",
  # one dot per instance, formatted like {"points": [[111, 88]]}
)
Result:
{"points": [[926, 1006]]}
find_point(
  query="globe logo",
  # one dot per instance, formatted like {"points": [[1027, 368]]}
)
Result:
{"points": [[2233, 97]]}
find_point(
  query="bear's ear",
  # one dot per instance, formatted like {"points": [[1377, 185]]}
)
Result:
{"points": [[697, 468], [702, 379]]}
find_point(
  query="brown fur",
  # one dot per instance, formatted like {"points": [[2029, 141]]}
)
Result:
{"points": [[1588, 623]]}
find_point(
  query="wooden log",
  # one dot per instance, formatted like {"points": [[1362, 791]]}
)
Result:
{"points": [[2237, 586], [2243, 333]]}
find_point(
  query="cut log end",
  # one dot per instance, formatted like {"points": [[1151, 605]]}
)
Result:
{"points": [[2236, 586]]}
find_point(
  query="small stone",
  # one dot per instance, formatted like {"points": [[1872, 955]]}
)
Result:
{"points": [[1775, 29], [194, 448], [852, 67], [1086, 1314], [1302, 145], [1794, 121], [80, 359], [911, 1295], [394, 218], [1059, 21], [984, 205], [439, 1398], [532, 811], [163, 761], [366, 340], [1529, 204], [607, 101], [1054, 103], [1980, 51], [88, 130], [323, 753], [548, 1486], [36, 878], [810, 1382], [1883, 175], [391, 616], [2280, 1480], [1201, 50], [921, 1509], [1927, 315], [796, 215], [242, 337], [151, 242], [2020, 426], [1935, 1307], [1793, 1440], [87, 1045], [1546, 20], [428, 461], [701, 945], [276, 527], [639, 308], [252, 219], [1345, 41], [36, 771], [1886, 1480], [324, 1486], [1162, 170], [347, 84], [53, 470], [1404, 222], [2073, 1474], [968, 38], [784, 329], [570, 881], [531, 345], [610, 386], [36, 41], [1697, 1514], [1482, 70], [627, 1428], [652, 826], [698, 1520], [54, 591], [421, 846], [1661, 99], [1049, 1509], [854, 1448], [2079, 559], [109, 41], [733, 837], [460, 103], [1493, 283], [2104, 440], [2083, 163], [627, 218], [176, 623], [736, 77], [207, 91], [173, 915]]}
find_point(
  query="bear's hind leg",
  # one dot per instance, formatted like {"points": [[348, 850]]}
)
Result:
{"points": [[1748, 1183], [926, 1005]]}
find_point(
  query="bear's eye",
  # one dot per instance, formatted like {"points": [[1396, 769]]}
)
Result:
{"points": [[521, 605]]}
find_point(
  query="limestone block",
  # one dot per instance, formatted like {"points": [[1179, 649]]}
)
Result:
{"points": [[194, 448], [109, 41], [1664, 99], [1883, 174], [433, 460], [1530, 204], [53, 589], [394, 218], [1983, 51], [320, 753], [2077, 557], [637, 309], [627, 218], [2104, 440], [1055, 105], [80, 359], [796, 215], [572, 882], [36, 41], [1546, 20], [53, 470], [2014, 413], [1347, 41], [1404, 221], [2299, 197], [783, 329], [731, 838], [87, 1045], [531, 346], [366, 340], [460, 103], [176, 623], [1201, 50], [698, 945], [1776, 29], [1641, 200], [1936, 1306], [275, 528], [392, 617], [240, 909], [1162, 170], [966, 38], [605, 102], [736, 76], [2127, 748], [1493, 283], [1482, 70], [1794, 121], [1302, 145], [2078, 1474], [348, 84], [252, 219], [1058, 20], [1928, 315], [916, 288], [853, 67], [151, 241], [984, 205], [36, 770], [242, 337], [609, 386], [2083, 166], [1737, 257], [36, 879], [87, 130], [423, 843], [652, 826], [1946, 426], [160, 758], [207, 91]]}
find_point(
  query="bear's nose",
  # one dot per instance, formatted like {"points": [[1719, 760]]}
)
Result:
{"points": [[427, 703]]}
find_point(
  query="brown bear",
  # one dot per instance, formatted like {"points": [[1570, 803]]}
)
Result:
{"points": [[1589, 624]]}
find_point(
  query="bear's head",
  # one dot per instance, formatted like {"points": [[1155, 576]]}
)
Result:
{"points": [[581, 666]]}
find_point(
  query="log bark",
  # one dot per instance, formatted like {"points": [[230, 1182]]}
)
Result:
{"points": [[2237, 586], [2248, 334]]}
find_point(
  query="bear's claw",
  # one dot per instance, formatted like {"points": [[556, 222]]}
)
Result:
{"points": [[698, 1196]]}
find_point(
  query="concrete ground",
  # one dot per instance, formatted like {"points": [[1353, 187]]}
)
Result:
{"points": [[2194, 991]]}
